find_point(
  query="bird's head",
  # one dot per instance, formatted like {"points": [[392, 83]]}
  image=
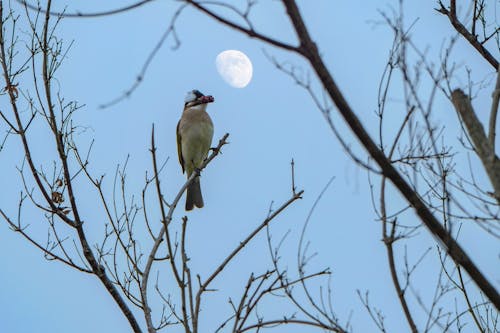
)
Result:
{"points": [[195, 97]]}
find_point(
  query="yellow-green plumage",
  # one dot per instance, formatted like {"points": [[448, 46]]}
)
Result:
{"points": [[194, 137]]}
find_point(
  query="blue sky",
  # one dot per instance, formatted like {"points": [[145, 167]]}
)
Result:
{"points": [[270, 122]]}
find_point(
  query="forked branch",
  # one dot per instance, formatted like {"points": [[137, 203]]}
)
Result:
{"points": [[451, 13]]}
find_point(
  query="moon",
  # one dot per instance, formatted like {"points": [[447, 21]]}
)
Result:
{"points": [[234, 67]]}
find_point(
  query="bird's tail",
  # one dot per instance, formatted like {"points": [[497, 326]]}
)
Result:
{"points": [[193, 195]]}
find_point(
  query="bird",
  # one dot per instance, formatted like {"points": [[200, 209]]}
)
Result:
{"points": [[194, 138]]}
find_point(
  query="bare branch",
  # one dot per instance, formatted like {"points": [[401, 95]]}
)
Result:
{"points": [[142, 73], [494, 112], [471, 38], [50, 255], [247, 31], [86, 15], [204, 285], [49, 65], [310, 51], [481, 143]]}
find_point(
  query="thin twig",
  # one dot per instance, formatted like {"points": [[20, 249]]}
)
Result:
{"points": [[86, 15], [50, 254]]}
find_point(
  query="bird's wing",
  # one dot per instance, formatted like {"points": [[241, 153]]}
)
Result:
{"points": [[179, 147]]}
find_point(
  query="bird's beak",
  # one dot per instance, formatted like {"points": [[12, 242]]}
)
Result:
{"points": [[206, 99]]}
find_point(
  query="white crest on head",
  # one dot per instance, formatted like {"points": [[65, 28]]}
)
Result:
{"points": [[190, 97]]}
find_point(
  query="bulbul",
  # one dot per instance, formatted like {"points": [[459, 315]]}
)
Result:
{"points": [[194, 137]]}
